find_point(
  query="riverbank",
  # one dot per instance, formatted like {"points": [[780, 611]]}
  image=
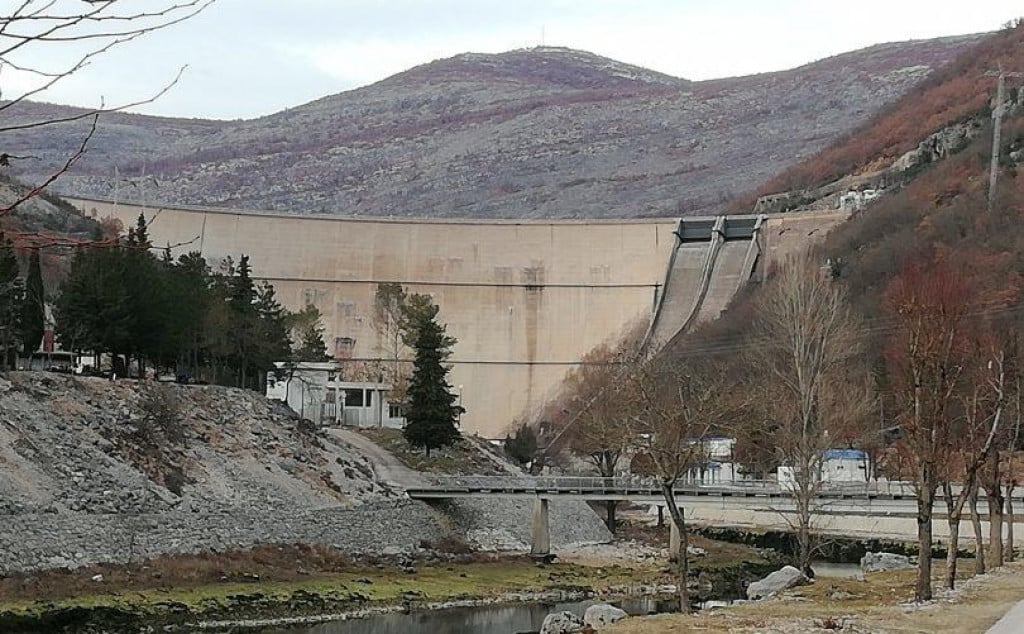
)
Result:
{"points": [[288, 584], [880, 603]]}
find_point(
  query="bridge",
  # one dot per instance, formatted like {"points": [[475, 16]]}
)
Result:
{"points": [[848, 499]]}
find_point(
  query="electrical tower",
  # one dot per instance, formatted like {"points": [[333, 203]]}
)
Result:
{"points": [[997, 128]]}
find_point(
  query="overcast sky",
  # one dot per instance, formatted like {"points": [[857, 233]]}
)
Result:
{"points": [[252, 57]]}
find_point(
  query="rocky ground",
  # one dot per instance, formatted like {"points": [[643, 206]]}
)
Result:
{"points": [[74, 444], [96, 471]]}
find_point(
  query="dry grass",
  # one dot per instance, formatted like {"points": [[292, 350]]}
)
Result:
{"points": [[880, 603]]}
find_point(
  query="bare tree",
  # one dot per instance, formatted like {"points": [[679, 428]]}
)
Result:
{"points": [[1011, 466], [673, 406], [980, 425], [389, 307], [927, 351], [79, 32], [595, 397], [803, 363], [979, 540]]}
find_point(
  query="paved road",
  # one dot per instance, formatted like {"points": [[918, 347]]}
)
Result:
{"points": [[1011, 623]]}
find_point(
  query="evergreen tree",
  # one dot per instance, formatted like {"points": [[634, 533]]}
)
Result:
{"points": [[94, 312], [244, 320], [11, 301], [194, 295], [33, 307], [308, 328], [523, 446], [432, 409], [146, 296], [273, 342]]}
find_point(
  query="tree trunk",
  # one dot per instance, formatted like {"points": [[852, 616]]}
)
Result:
{"points": [[610, 507], [979, 544], [683, 563], [1010, 555], [995, 525], [953, 515], [803, 531], [925, 503]]}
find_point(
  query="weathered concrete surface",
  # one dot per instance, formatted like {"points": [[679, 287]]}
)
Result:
{"points": [[725, 280], [1011, 623], [682, 290], [525, 299]]}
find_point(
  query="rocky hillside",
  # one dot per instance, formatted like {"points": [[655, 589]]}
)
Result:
{"points": [[98, 471], [95, 446], [542, 132], [43, 213]]}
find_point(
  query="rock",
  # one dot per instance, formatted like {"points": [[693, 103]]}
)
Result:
{"points": [[780, 580], [562, 623], [879, 562], [602, 615]]}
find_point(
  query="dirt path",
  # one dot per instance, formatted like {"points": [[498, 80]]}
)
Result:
{"points": [[386, 467], [879, 605]]}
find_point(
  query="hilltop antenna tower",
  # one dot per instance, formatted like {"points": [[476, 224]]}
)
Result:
{"points": [[997, 129]]}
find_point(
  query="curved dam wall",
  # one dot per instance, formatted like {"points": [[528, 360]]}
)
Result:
{"points": [[525, 299]]}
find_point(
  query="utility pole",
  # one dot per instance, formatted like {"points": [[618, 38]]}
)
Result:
{"points": [[997, 128]]}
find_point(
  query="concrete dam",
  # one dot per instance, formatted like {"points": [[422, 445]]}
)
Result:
{"points": [[525, 299]]}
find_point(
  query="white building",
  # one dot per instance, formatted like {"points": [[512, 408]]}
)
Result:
{"points": [[845, 465], [837, 466], [316, 392], [717, 466]]}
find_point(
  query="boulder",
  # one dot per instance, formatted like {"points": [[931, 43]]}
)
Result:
{"points": [[880, 562], [780, 580], [602, 615], [562, 623]]}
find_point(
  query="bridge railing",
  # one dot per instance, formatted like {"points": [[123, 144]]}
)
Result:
{"points": [[647, 485]]}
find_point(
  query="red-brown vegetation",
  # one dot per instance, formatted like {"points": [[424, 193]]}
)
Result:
{"points": [[951, 94]]}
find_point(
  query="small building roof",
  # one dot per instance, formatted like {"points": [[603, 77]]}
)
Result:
{"points": [[844, 454]]}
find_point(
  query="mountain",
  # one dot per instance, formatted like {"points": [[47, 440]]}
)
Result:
{"points": [[544, 132], [927, 156]]}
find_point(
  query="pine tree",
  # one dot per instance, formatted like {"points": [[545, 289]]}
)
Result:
{"points": [[273, 341], [146, 295], [244, 320], [307, 327], [11, 300], [33, 307], [94, 311], [432, 409]]}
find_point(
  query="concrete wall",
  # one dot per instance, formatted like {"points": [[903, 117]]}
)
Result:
{"points": [[524, 299]]}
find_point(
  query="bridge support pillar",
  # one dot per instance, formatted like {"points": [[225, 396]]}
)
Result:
{"points": [[675, 541], [541, 546]]}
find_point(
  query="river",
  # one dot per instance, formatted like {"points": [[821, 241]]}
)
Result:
{"points": [[502, 619], [496, 619]]}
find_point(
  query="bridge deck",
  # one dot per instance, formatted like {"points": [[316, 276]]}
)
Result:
{"points": [[636, 489]]}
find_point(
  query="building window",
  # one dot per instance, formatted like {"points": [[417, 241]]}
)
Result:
{"points": [[331, 377], [394, 410], [354, 398], [329, 396], [344, 347]]}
